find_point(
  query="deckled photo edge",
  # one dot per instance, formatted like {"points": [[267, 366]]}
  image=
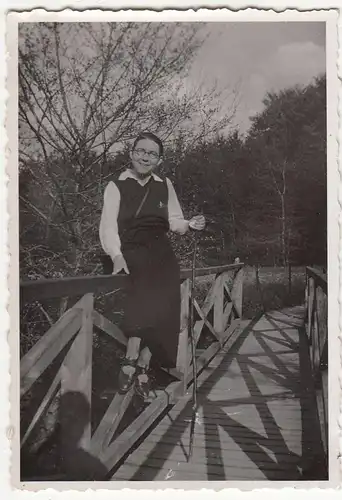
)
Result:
{"points": [[13, 279]]}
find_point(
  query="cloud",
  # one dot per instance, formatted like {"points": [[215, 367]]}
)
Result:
{"points": [[258, 58], [297, 63], [290, 64]]}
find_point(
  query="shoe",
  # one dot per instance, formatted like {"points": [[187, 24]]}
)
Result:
{"points": [[126, 379], [142, 388]]}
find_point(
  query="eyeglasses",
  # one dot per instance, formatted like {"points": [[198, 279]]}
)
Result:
{"points": [[152, 155]]}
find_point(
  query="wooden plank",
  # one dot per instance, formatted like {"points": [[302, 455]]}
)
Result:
{"points": [[168, 473], [179, 436], [210, 297], [210, 327], [228, 291], [321, 308], [179, 428], [198, 327], [324, 419], [125, 441], [205, 309], [43, 407], [227, 313], [234, 308], [80, 285], [315, 344], [37, 361], [311, 301], [50, 337], [76, 371], [218, 308], [241, 418], [173, 453], [108, 327], [237, 291], [69, 287], [218, 468], [206, 271], [182, 353], [319, 278], [110, 421]]}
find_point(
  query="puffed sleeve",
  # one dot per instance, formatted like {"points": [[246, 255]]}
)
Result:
{"points": [[176, 219], [109, 235]]}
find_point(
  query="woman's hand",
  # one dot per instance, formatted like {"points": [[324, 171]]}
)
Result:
{"points": [[120, 264], [197, 222]]}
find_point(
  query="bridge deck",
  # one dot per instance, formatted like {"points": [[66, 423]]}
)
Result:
{"points": [[256, 420]]}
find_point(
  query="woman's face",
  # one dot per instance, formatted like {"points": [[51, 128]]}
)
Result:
{"points": [[145, 157]]}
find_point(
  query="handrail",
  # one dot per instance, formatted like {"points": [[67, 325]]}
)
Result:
{"points": [[317, 334], [319, 277], [219, 312], [80, 285]]}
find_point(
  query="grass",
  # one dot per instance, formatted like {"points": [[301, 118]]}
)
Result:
{"points": [[274, 291]]}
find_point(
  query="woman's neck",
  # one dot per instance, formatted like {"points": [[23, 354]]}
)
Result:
{"points": [[139, 176]]}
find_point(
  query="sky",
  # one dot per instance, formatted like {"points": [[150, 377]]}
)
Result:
{"points": [[257, 58], [254, 57]]}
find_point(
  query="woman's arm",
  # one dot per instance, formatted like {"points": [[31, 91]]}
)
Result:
{"points": [[176, 219], [108, 232]]}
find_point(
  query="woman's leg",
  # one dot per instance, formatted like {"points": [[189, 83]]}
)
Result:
{"points": [[143, 383], [132, 354], [133, 345], [128, 367], [144, 358]]}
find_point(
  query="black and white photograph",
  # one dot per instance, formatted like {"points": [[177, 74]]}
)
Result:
{"points": [[173, 247]]}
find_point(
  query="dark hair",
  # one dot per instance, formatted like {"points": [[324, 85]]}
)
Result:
{"points": [[151, 137]]}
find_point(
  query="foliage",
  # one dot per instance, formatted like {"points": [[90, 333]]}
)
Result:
{"points": [[287, 144], [264, 195], [86, 90]]}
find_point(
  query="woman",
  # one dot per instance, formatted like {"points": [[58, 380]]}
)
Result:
{"points": [[138, 211]]}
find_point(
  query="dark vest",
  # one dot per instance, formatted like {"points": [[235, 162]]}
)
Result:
{"points": [[152, 220]]}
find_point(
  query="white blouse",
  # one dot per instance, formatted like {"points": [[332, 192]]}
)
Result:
{"points": [[109, 235]]}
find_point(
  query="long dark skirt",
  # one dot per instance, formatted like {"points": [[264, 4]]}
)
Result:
{"points": [[152, 302]]}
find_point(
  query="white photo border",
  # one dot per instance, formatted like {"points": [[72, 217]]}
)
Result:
{"points": [[334, 195]]}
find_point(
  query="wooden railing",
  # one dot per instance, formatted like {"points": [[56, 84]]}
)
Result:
{"points": [[223, 303], [317, 331]]}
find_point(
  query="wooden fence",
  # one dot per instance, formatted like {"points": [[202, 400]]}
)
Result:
{"points": [[316, 324], [220, 312]]}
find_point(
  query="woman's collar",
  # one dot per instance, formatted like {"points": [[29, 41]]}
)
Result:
{"points": [[129, 174]]}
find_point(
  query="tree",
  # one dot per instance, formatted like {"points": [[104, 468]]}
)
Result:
{"points": [[288, 143], [85, 89]]}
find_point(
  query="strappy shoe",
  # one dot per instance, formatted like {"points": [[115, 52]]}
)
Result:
{"points": [[142, 387], [126, 380]]}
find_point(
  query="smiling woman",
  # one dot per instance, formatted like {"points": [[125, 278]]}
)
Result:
{"points": [[138, 211]]}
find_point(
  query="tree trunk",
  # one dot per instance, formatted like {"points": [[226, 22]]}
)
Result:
{"points": [[283, 231]]}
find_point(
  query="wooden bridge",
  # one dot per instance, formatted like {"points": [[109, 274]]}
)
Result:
{"points": [[262, 388]]}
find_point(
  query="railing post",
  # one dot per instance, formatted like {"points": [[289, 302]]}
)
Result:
{"points": [[311, 302], [75, 402], [237, 291], [218, 306], [317, 334], [182, 355], [306, 300]]}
